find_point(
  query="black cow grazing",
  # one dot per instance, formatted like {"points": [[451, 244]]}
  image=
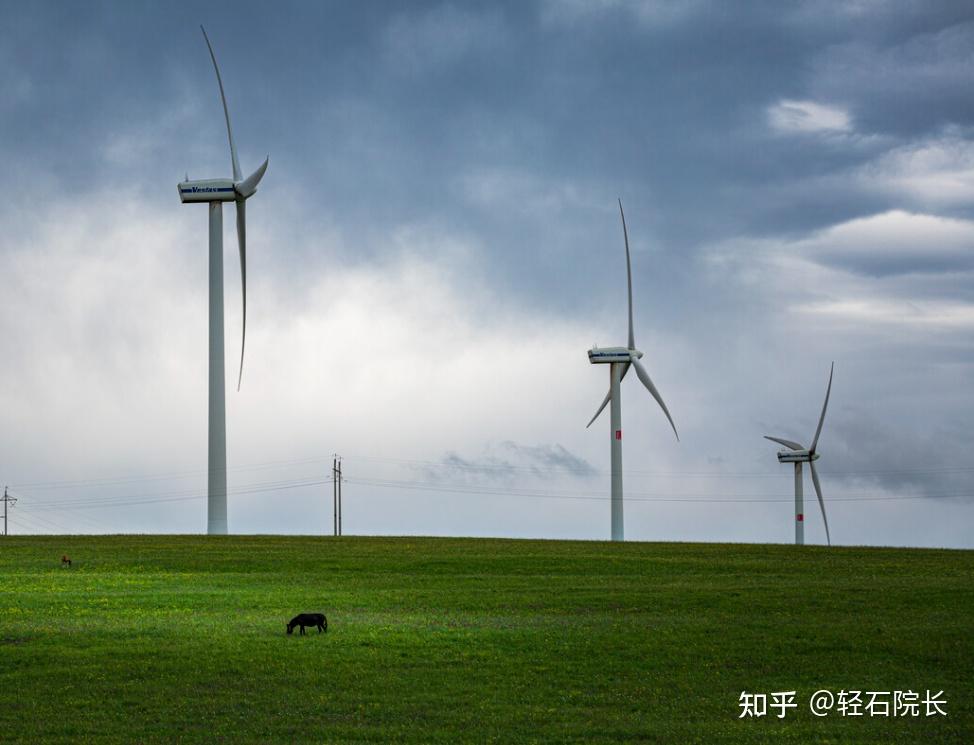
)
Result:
{"points": [[308, 619], [65, 561]]}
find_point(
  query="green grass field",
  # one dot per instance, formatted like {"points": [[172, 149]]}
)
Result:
{"points": [[182, 638]]}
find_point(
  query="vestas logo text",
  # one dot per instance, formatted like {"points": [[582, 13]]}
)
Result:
{"points": [[205, 189]]}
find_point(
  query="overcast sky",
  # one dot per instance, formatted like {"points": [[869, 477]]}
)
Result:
{"points": [[436, 244]]}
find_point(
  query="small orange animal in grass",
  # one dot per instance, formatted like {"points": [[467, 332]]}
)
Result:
{"points": [[65, 561]]}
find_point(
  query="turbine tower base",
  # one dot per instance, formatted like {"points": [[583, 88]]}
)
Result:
{"points": [[799, 507], [216, 487], [615, 432]]}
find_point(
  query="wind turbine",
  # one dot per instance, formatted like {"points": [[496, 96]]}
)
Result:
{"points": [[215, 192], [799, 454], [619, 360]]}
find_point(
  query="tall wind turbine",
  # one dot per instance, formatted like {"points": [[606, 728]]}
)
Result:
{"points": [[215, 192], [799, 454], [619, 360]]}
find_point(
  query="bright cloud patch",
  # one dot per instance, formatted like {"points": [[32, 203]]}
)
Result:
{"points": [[896, 272], [928, 314], [402, 357], [894, 242], [937, 172], [807, 116]]}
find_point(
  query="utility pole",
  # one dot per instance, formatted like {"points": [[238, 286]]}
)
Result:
{"points": [[334, 492], [7, 499], [339, 496]]}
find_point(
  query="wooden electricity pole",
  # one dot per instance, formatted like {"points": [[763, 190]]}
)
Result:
{"points": [[334, 493], [7, 499]]}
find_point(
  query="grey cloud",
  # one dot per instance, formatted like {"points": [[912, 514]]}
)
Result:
{"points": [[863, 453], [905, 86], [490, 146], [505, 462], [548, 458], [433, 39]]}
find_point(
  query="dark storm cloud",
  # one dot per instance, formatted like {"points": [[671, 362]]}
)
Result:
{"points": [[383, 117], [515, 125], [906, 83], [797, 177]]}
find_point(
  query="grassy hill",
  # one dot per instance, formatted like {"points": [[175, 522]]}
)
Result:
{"points": [[182, 638]]}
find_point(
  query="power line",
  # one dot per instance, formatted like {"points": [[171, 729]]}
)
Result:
{"points": [[87, 503], [539, 470], [274, 485], [78, 517], [29, 508], [465, 489], [132, 500], [45, 524], [508, 467], [172, 475]]}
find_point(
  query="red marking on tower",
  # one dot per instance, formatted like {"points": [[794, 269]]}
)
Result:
{"points": [[618, 434], [801, 517]]}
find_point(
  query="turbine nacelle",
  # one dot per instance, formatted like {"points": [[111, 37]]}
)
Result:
{"points": [[602, 355], [207, 190], [796, 456], [221, 189]]}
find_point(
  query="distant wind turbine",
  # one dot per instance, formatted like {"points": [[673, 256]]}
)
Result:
{"points": [[215, 192], [619, 360], [799, 454]]}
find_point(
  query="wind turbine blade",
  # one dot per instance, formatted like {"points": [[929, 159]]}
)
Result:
{"points": [[821, 419], [821, 502], [226, 111], [644, 377], [242, 242], [787, 443], [608, 397], [605, 401], [248, 186], [625, 235]]}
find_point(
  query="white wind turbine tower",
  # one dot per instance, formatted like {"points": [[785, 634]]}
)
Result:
{"points": [[619, 360], [799, 454], [215, 192]]}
